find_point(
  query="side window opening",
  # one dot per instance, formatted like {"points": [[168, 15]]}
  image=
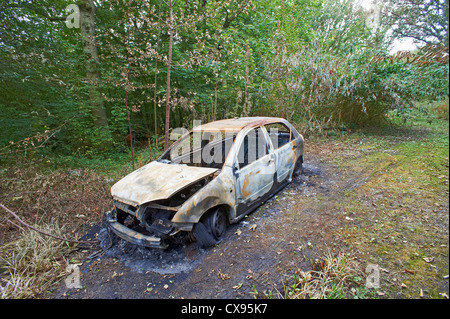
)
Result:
{"points": [[279, 134], [253, 147]]}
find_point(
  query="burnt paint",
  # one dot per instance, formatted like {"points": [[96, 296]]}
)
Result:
{"points": [[221, 191], [245, 208]]}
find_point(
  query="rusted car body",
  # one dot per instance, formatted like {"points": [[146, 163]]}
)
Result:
{"points": [[213, 175]]}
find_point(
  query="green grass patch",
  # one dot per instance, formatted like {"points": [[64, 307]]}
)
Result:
{"points": [[399, 212]]}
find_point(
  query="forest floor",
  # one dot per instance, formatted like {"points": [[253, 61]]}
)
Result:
{"points": [[375, 197]]}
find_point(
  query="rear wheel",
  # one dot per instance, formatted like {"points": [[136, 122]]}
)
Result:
{"points": [[298, 169], [211, 229]]}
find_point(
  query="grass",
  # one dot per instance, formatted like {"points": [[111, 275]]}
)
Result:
{"points": [[63, 203], [333, 277], [391, 210], [62, 195], [33, 263], [400, 212]]}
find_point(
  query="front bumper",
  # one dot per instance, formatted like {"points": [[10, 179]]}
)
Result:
{"points": [[133, 236]]}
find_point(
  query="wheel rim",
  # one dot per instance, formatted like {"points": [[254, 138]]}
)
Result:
{"points": [[219, 224]]}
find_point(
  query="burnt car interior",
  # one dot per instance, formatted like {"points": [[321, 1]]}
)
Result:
{"points": [[209, 151], [154, 220], [279, 134], [248, 154], [211, 148]]}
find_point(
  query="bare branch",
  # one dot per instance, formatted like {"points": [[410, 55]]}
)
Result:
{"points": [[228, 20], [44, 233]]}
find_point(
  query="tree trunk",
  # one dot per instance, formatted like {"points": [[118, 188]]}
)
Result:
{"points": [[87, 17], [169, 62], [130, 132]]}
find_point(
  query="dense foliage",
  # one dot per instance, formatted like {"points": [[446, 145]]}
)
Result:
{"points": [[315, 62]]}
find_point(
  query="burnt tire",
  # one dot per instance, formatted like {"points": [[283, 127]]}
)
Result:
{"points": [[211, 229], [298, 169]]}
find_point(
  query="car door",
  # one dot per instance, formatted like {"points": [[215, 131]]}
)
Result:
{"points": [[283, 148], [254, 170]]}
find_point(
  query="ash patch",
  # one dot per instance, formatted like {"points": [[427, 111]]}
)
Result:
{"points": [[309, 181], [176, 259], [309, 171]]}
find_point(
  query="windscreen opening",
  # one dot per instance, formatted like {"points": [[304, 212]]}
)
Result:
{"points": [[202, 149]]}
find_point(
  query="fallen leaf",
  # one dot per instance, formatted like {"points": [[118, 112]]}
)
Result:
{"points": [[428, 259], [403, 286], [238, 232], [239, 285], [223, 276], [166, 286], [253, 227], [306, 275]]}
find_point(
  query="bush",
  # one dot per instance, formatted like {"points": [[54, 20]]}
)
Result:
{"points": [[316, 88]]}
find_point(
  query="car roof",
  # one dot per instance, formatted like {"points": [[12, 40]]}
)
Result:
{"points": [[236, 124]]}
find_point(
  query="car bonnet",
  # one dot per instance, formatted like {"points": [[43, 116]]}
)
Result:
{"points": [[156, 181]]}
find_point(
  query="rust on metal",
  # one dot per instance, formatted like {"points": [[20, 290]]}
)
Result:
{"points": [[228, 166], [156, 181]]}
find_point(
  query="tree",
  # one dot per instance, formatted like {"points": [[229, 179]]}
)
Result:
{"points": [[69, 61], [310, 61], [169, 64], [87, 15], [38, 74], [426, 21], [93, 76]]}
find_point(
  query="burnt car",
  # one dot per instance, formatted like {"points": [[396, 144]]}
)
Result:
{"points": [[214, 175]]}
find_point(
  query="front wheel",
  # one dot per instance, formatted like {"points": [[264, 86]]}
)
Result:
{"points": [[211, 229]]}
